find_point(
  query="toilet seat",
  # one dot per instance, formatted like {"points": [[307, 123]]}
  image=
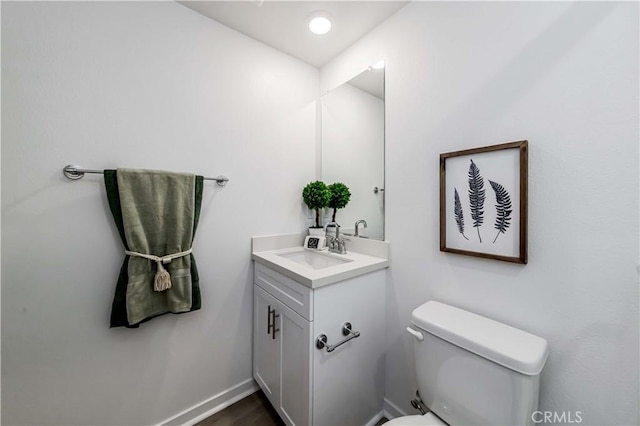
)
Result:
{"points": [[427, 420]]}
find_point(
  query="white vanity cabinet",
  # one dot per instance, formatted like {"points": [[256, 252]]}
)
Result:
{"points": [[311, 386]]}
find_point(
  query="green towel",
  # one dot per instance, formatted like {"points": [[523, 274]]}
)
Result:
{"points": [[167, 226]]}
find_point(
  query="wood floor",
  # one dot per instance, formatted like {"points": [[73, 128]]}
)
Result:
{"points": [[252, 410]]}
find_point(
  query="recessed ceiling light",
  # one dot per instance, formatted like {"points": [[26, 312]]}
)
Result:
{"points": [[320, 25], [378, 65]]}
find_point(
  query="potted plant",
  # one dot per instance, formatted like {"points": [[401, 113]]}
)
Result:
{"points": [[316, 196], [340, 197]]}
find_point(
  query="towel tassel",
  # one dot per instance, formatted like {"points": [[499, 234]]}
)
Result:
{"points": [[162, 279]]}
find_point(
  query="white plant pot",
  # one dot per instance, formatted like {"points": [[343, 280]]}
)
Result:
{"points": [[316, 232]]}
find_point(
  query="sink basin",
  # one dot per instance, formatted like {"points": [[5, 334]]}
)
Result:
{"points": [[314, 259], [286, 255]]}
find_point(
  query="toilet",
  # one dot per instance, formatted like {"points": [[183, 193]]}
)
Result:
{"points": [[472, 370]]}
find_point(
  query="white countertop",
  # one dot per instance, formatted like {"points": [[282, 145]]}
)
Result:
{"points": [[267, 251]]}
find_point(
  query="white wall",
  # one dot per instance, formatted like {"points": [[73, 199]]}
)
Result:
{"points": [[150, 85], [565, 77], [353, 153]]}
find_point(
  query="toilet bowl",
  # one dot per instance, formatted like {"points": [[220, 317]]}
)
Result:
{"points": [[472, 370]]}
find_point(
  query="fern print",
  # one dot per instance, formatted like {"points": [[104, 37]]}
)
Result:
{"points": [[503, 208], [457, 211], [476, 197]]}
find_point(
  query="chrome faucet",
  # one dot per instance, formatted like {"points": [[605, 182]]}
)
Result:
{"points": [[335, 244], [358, 222]]}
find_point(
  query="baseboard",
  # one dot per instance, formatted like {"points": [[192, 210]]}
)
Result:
{"points": [[209, 407], [219, 402], [391, 411], [375, 419]]}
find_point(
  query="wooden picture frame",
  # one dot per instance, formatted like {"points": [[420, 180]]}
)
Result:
{"points": [[484, 189]]}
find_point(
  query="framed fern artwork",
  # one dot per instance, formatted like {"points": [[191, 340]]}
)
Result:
{"points": [[483, 202]]}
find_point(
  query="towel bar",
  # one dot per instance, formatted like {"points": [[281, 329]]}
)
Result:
{"points": [[74, 172], [321, 340]]}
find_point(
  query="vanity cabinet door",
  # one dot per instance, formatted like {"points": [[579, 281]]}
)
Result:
{"points": [[266, 348], [281, 363], [295, 402]]}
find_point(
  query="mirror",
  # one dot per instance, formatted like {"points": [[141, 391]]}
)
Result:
{"points": [[353, 149]]}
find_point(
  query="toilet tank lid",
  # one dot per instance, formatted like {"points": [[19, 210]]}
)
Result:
{"points": [[505, 345]]}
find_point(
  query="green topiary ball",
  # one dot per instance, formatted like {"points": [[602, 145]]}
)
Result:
{"points": [[316, 196], [340, 196]]}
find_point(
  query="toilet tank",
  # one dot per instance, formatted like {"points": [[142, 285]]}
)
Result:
{"points": [[472, 370]]}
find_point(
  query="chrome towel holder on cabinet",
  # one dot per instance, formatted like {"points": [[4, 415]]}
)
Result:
{"points": [[321, 340]]}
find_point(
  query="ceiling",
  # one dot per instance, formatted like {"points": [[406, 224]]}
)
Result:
{"points": [[283, 24]]}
